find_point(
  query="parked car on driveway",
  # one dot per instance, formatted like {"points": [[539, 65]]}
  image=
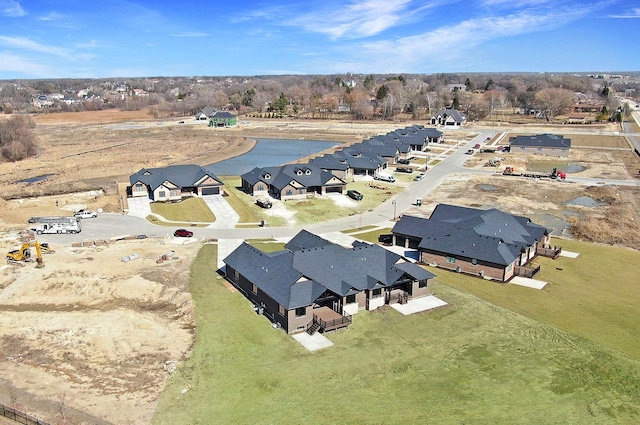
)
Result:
{"points": [[384, 178], [354, 194], [264, 203], [183, 233], [404, 170], [85, 214]]}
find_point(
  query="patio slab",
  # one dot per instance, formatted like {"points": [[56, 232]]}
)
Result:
{"points": [[420, 304], [313, 342], [529, 283], [569, 254]]}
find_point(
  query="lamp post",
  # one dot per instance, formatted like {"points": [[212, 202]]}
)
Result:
{"points": [[394, 209]]}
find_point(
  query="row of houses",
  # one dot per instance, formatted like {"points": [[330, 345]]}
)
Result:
{"points": [[329, 173], [314, 284]]}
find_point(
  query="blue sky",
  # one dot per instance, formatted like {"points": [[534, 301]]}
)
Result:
{"points": [[114, 38]]}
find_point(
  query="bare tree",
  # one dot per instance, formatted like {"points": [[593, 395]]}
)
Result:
{"points": [[16, 138], [553, 102]]}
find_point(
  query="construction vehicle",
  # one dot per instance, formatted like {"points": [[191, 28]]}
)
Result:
{"points": [[555, 174], [72, 226], [22, 255], [53, 219]]}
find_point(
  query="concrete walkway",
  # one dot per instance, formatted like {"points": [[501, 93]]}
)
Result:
{"points": [[529, 283], [313, 342]]}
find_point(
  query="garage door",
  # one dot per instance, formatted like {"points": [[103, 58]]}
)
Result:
{"points": [[337, 189], [210, 190]]}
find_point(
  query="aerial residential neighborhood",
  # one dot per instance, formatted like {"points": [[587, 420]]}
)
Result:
{"points": [[390, 212]]}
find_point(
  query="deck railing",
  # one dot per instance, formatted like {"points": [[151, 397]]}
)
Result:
{"points": [[528, 272], [344, 320], [551, 251]]}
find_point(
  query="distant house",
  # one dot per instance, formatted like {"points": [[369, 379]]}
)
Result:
{"points": [[484, 243], [544, 144], [217, 118], [174, 182], [449, 118], [293, 181], [314, 284]]}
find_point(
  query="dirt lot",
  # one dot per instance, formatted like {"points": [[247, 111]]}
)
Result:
{"points": [[89, 332], [93, 334]]}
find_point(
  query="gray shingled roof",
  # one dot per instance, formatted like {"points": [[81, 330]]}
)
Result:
{"points": [[488, 235], [322, 266], [179, 175], [453, 113], [541, 140], [222, 114]]}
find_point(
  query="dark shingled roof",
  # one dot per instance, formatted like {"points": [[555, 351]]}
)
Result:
{"points": [[179, 175], [453, 113], [488, 235], [307, 175], [310, 265], [542, 141]]}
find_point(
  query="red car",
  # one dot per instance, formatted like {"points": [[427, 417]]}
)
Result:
{"points": [[183, 233]]}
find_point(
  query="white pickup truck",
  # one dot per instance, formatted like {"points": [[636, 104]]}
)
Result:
{"points": [[85, 214]]}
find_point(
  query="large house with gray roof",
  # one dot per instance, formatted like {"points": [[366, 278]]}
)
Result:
{"points": [[543, 144], [293, 181], [216, 117], [174, 182], [484, 243], [314, 284], [451, 118]]}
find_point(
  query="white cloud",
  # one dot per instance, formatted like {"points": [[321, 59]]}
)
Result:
{"points": [[632, 14], [451, 43], [11, 8], [18, 64], [359, 18], [30, 45], [51, 16]]}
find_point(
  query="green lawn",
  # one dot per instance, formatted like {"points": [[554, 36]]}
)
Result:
{"points": [[596, 295], [189, 210], [471, 362], [242, 203]]}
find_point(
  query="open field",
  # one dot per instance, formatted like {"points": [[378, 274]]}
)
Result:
{"points": [[469, 362]]}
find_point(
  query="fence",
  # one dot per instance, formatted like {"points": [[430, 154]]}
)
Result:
{"points": [[20, 417]]}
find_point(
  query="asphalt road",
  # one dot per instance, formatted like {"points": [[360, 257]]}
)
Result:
{"points": [[108, 225]]}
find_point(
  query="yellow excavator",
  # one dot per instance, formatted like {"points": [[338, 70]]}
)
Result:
{"points": [[22, 255]]}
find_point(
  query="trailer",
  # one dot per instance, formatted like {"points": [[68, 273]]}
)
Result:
{"points": [[59, 228], [555, 174]]}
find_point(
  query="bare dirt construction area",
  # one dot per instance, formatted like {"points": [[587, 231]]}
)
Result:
{"points": [[90, 333]]}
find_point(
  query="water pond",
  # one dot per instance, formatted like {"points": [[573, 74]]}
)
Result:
{"points": [[32, 180], [269, 153]]}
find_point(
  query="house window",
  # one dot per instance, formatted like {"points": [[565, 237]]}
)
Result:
{"points": [[474, 261], [162, 194], [288, 192], [300, 191], [451, 260], [236, 275], [422, 283], [139, 187], [376, 293], [539, 148], [254, 288], [175, 192], [281, 310], [510, 267], [351, 299], [301, 311], [260, 187]]}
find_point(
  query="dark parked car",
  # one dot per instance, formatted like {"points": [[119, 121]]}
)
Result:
{"points": [[354, 194], [264, 203], [386, 239], [183, 233], [404, 170], [403, 161]]}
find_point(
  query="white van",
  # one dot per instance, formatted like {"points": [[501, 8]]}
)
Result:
{"points": [[384, 178]]}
